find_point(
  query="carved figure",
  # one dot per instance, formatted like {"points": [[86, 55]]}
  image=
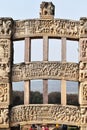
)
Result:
{"points": [[5, 27]]}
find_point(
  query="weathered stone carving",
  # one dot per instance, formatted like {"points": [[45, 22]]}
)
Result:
{"points": [[83, 71], [4, 96], [4, 117], [38, 27], [45, 113], [44, 70], [83, 49], [47, 10], [83, 115], [83, 92], [5, 59], [83, 27], [6, 27]]}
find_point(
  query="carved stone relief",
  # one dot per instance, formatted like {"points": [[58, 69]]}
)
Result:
{"points": [[83, 71], [47, 9], [83, 49], [6, 27], [5, 59], [44, 70], [45, 113], [4, 117], [83, 27], [38, 27], [4, 93], [83, 115], [83, 92]]}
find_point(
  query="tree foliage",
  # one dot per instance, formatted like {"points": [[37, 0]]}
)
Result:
{"points": [[37, 98]]}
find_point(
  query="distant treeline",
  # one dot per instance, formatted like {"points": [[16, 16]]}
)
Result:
{"points": [[37, 98]]}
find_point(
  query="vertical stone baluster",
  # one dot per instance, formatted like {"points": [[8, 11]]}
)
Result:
{"points": [[63, 82]]}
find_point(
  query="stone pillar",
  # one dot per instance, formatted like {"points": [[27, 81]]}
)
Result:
{"points": [[63, 82], [27, 58], [45, 58], [83, 74], [6, 50]]}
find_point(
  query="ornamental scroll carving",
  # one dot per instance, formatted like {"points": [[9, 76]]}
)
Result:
{"points": [[45, 113], [38, 27], [44, 70], [6, 25]]}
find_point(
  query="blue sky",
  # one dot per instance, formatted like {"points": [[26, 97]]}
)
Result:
{"points": [[24, 9]]}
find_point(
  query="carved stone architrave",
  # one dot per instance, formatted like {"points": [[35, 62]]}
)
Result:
{"points": [[45, 70], [83, 93], [50, 27], [6, 28], [42, 113]]}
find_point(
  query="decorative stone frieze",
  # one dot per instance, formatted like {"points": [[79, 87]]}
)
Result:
{"points": [[41, 113], [45, 70], [53, 28]]}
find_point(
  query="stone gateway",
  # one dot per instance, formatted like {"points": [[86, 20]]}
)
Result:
{"points": [[22, 116]]}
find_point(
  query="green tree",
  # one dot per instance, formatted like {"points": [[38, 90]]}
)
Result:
{"points": [[54, 98], [36, 97]]}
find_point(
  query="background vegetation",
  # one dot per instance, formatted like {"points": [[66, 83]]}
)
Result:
{"points": [[37, 98]]}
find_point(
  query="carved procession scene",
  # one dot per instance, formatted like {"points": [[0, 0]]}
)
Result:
{"points": [[21, 117]]}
